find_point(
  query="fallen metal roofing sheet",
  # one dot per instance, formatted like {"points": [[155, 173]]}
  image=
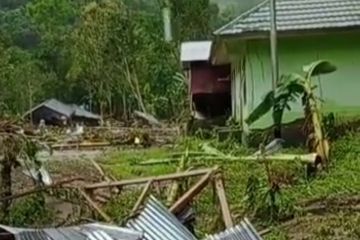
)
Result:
{"points": [[157, 223], [244, 231], [83, 232], [292, 15]]}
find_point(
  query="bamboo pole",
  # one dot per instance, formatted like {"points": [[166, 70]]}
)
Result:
{"points": [[303, 158], [144, 180]]}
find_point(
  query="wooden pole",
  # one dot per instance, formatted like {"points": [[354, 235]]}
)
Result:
{"points": [[142, 197], [191, 193], [273, 44], [40, 189], [225, 210], [144, 180], [274, 58]]}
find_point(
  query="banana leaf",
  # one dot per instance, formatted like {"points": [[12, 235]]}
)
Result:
{"points": [[263, 108], [318, 68]]}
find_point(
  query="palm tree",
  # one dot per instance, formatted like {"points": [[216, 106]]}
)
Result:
{"points": [[291, 88]]}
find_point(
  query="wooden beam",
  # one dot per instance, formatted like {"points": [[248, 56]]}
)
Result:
{"points": [[225, 210], [100, 170], [191, 193], [94, 206], [84, 145], [40, 189], [142, 197], [144, 180]]}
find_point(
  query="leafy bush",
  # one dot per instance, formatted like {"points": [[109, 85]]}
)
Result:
{"points": [[31, 212]]}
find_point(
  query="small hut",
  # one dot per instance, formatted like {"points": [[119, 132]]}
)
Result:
{"points": [[209, 84], [55, 112]]}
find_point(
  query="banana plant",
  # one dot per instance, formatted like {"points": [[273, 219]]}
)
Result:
{"points": [[291, 88]]}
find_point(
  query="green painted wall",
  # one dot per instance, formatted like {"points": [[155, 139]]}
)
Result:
{"points": [[340, 90]]}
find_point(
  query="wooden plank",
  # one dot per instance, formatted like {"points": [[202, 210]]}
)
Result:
{"points": [[40, 189], [225, 210], [191, 193], [144, 180], [142, 197], [100, 170], [80, 145]]}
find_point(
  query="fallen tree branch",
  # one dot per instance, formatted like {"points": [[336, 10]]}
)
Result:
{"points": [[144, 180], [41, 189]]}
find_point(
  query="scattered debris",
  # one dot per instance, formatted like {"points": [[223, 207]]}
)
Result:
{"points": [[150, 119]]}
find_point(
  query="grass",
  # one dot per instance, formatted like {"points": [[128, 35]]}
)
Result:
{"points": [[341, 178]]}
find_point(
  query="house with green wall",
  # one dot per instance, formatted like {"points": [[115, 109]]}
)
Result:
{"points": [[308, 30]]}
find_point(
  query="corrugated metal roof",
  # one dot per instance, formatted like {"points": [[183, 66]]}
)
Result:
{"points": [[195, 51], [157, 223], [244, 231], [58, 106], [67, 110], [296, 15], [79, 112], [83, 232]]}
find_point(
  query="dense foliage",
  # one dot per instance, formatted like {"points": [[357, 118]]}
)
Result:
{"points": [[107, 54]]}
